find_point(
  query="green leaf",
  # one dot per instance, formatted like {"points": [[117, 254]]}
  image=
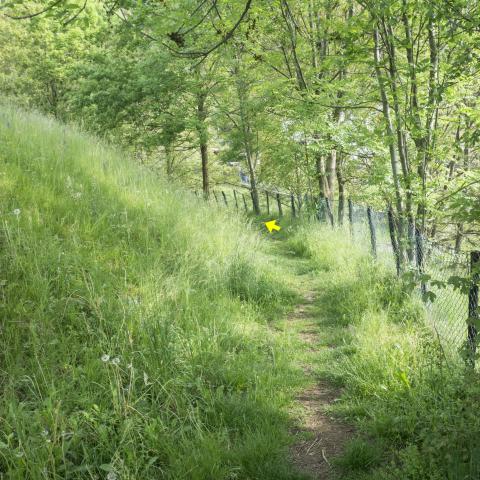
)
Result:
{"points": [[429, 296]]}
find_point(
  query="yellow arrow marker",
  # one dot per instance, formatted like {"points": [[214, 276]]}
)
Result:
{"points": [[272, 225]]}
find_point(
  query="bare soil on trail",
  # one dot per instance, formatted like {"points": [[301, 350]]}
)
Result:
{"points": [[320, 436]]}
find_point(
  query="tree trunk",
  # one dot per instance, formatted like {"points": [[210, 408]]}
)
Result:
{"points": [[401, 140], [458, 237], [391, 140], [246, 131], [330, 173], [341, 190], [322, 183], [169, 159], [202, 130]]}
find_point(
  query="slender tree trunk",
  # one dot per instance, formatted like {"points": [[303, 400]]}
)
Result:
{"points": [[391, 137], [246, 130], [321, 177], [401, 140], [458, 237], [341, 190], [202, 130], [432, 113], [330, 173], [169, 159]]}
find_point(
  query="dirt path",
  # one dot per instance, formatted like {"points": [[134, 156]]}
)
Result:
{"points": [[320, 436]]}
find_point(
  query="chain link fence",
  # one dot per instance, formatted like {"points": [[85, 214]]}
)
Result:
{"points": [[430, 265], [442, 277]]}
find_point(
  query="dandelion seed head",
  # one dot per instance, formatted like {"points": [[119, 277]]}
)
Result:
{"points": [[17, 212], [116, 361], [105, 357]]}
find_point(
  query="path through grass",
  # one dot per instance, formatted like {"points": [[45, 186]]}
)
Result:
{"points": [[319, 436]]}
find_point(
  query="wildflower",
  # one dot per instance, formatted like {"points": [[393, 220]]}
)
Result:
{"points": [[112, 476], [105, 357], [116, 361], [77, 195], [45, 433], [17, 212]]}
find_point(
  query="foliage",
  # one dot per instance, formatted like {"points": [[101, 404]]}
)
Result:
{"points": [[299, 93]]}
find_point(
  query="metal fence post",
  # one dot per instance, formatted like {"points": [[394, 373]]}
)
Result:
{"points": [[244, 202], [292, 201], [393, 239], [268, 202], [350, 215], [373, 237], [280, 212], [224, 198], [235, 197], [419, 257], [473, 314]]}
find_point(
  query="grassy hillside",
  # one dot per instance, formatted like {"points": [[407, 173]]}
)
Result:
{"points": [[133, 339]]}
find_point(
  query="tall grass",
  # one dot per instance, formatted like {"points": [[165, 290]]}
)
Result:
{"points": [[416, 412], [133, 339]]}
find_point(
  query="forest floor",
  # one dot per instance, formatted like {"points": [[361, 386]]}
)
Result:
{"points": [[319, 436]]}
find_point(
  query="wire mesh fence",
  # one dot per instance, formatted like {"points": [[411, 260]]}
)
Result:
{"points": [[431, 265], [441, 275]]}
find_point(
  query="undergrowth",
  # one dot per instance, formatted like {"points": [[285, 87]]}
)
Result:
{"points": [[414, 409], [133, 339]]}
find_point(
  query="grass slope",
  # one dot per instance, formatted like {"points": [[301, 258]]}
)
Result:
{"points": [[133, 334]]}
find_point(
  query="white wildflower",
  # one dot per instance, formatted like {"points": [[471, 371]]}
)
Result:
{"points": [[17, 212], [105, 357], [45, 433], [116, 361], [112, 476]]}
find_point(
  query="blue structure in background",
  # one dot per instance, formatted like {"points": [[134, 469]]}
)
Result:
{"points": [[244, 178]]}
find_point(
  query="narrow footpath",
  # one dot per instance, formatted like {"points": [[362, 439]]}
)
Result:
{"points": [[319, 436]]}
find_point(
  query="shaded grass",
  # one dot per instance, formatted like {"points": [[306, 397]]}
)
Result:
{"points": [[134, 336]]}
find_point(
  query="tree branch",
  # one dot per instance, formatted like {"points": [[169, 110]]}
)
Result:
{"points": [[36, 14], [225, 39]]}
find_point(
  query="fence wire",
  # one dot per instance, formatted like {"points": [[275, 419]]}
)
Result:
{"points": [[432, 264]]}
